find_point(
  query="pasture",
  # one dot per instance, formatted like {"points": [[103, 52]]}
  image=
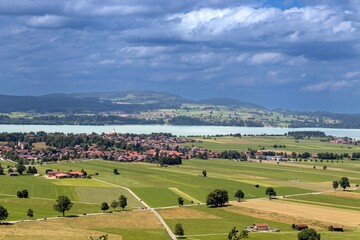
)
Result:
{"points": [[309, 198], [312, 145]]}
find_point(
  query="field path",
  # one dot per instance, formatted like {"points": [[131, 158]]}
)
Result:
{"points": [[7, 160], [171, 234]]}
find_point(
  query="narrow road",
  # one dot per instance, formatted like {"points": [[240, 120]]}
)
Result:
{"points": [[7, 160], [171, 234]]}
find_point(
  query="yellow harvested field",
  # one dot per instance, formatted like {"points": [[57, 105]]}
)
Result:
{"points": [[306, 212], [315, 186], [185, 213], [49, 229], [128, 220], [261, 183], [277, 217], [81, 227], [345, 194]]}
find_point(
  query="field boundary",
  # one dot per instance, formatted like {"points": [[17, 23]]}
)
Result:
{"points": [[171, 234], [184, 195]]}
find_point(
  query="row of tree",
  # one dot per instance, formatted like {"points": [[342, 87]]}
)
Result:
{"points": [[344, 183], [219, 197], [114, 204]]}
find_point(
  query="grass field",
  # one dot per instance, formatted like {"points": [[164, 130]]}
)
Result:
{"points": [[118, 226], [309, 198], [313, 145]]}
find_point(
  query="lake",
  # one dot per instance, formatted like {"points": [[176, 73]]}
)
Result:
{"points": [[176, 130]]}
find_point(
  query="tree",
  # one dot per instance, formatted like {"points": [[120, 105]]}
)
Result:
{"points": [[19, 194], [63, 204], [104, 206], [344, 182], [239, 194], [204, 173], [116, 171], [20, 168], [217, 198], [179, 230], [335, 185], [234, 234], [308, 234], [122, 201], [30, 213], [324, 167], [114, 204], [3, 213], [180, 201], [25, 193], [270, 192], [1, 170]]}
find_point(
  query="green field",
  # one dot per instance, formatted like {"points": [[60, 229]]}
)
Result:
{"points": [[312, 145], [161, 186]]}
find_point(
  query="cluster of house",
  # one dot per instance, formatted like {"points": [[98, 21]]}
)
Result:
{"points": [[274, 157], [344, 140], [149, 147]]}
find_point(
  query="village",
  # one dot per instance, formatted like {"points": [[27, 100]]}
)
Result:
{"points": [[121, 148]]}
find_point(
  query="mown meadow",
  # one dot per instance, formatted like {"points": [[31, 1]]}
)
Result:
{"points": [[297, 184]]}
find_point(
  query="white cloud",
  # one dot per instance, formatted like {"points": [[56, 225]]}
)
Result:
{"points": [[264, 58], [331, 85], [48, 21], [351, 74], [246, 23], [107, 61], [270, 58]]}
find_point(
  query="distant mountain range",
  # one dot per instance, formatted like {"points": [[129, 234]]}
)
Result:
{"points": [[151, 107], [126, 101]]}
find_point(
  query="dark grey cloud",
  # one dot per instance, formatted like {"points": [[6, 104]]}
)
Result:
{"points": [[244, 49]]}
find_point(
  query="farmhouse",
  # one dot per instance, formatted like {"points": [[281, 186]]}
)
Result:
{"points": [[337, 228], [53, 173], [301, 227], [61, 175], [261, 227], [13, 174], [75, 174]]}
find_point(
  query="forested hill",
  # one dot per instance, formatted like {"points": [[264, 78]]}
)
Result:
{"points": [[151, 107], [126, 101]]}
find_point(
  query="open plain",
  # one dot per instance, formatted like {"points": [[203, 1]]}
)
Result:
{"points": [[304, 195]]}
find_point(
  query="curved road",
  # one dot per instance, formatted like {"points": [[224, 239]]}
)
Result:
{"points": [[171, 234]]}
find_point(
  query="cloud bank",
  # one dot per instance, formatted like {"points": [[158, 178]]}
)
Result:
{"points": [[243, 49]]}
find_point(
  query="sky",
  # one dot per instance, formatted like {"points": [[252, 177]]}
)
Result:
{"points": [[301, 55]]}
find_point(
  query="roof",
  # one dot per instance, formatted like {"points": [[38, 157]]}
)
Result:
{"points": [[75, 173], [337, 226], [53, 172], [61, 175], [301, 225], [261, 225]]}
